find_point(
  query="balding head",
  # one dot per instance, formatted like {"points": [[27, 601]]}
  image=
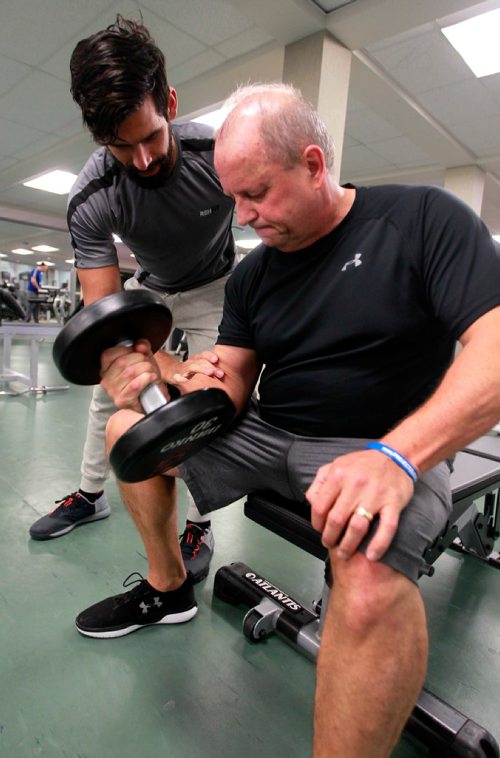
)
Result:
{"points": [[282, 120], [271, 157]]}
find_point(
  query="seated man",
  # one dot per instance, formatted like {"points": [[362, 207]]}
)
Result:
{"points": [[353, 305]]}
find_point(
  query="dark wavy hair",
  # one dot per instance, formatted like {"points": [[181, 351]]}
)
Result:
{"points": [[112, 73]]}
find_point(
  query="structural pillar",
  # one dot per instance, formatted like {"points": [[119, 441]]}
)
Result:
{"points": [[467, 183], [320, 68]]}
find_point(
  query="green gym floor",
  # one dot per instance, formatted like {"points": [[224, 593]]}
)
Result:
{"points": [[198, 690]]}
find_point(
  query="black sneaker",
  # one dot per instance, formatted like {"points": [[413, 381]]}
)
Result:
{"points": [[197, 547], [71, 511], [122, 614]]}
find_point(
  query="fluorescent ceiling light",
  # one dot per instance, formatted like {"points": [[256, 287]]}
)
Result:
{"points": [[45, 249], [477, 41], [21, 251], [69, 260], [3, 255], [248, 244], [59, 182]]}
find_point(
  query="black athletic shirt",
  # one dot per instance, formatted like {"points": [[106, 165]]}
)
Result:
{"points": [[356, 330]]}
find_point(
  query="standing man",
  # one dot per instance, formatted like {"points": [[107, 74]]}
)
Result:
{"points": [[34, 286], [153, 184], [361, 404]]}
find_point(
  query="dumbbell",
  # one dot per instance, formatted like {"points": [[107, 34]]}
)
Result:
{"points": [[171, 431]]}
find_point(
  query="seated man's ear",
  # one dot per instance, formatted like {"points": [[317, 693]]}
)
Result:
{"points": [[314, 161]]}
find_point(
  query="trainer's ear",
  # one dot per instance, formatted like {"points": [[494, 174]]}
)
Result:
{"points": [[172, 104]]}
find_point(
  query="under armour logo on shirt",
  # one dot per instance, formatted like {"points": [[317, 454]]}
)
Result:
{"points": [[356, 261]]}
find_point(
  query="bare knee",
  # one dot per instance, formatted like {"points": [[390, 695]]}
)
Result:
{"points": [[366, 593], [118, 424]]}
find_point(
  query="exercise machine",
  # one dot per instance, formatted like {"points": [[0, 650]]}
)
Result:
{"points": [[442, 728]]}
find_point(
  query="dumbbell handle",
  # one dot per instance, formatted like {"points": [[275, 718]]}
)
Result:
{"points": [[152, 398]]}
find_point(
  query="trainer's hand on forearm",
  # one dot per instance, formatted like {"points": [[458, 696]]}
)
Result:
{"points": [[201, 363], [126, 371], [366, 480]]}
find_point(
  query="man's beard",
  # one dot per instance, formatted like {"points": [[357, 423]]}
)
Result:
{"points": [[165, 165], [154, 181]]}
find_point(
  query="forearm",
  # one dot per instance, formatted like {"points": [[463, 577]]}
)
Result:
{"points": [[99, 282], [465, 405], [238, 391], [238, 372]]}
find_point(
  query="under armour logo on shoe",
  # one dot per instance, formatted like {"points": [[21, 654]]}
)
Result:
{"points": [[145, 607], [356, 261]]}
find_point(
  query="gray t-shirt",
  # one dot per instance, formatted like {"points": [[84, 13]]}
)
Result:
{"points": [[180, 232]]}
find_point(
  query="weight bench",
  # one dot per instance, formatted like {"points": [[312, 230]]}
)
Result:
{"points": [[446, 731]]}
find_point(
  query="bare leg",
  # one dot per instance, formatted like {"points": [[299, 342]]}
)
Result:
{"points": [[153, 507], [372, 660]]}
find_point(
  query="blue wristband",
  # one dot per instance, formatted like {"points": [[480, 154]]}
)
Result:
{"points": [[401, 461]]}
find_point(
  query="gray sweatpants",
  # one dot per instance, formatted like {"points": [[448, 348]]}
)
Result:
{"points": [[198, 313]]}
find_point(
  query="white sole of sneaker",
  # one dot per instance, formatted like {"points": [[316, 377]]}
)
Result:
{"points": [[172, 618]]}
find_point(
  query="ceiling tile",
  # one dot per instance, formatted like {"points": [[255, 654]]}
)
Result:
{"points": [[210, 21], [11, 73], [11, 229], [175, 44], [353, 103], [28, 197], [402, 152], [359, 160], [53, 104], [14, 137], [30, 31], [420, 62], [366, 126], [492, 85], [243, 43], [72, 128], [349, 141], [6, 162], [196, 66], [36, 146], [482, 137], [446, 104]]}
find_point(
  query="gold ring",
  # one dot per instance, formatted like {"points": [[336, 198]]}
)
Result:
{"points": [[363, 512]]}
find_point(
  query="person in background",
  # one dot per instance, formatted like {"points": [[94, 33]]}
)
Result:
{"points": [[34, 287]]}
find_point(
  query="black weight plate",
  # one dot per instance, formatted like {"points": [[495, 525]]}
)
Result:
{"points": [[129, 315], [171, 434]]}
